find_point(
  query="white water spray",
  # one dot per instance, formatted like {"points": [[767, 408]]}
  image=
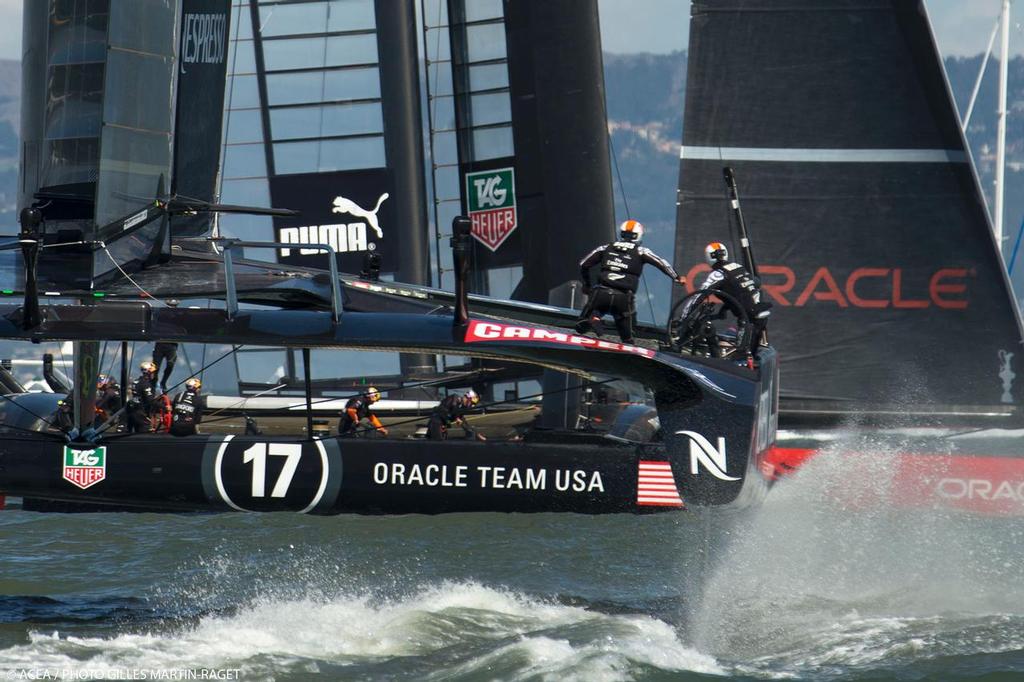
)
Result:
{"points": [[830, 571]]}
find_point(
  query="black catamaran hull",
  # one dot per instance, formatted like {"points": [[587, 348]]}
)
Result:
{"points": [[334, 476], [716, 422]]}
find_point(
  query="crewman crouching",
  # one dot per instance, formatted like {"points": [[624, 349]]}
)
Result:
{"points": [[452, 412], [187, 409], [356, 410]]}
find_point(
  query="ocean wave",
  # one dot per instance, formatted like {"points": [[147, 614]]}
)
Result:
{"points": [[462, 630]]}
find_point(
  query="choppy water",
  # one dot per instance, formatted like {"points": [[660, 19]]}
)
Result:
{"points": [[803, 588]]}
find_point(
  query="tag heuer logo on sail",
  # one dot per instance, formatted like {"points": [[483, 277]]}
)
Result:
{"points": [[491, 197], [84, 468]]}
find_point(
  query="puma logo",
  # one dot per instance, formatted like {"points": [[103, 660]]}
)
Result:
{"points": [[343, 205]]}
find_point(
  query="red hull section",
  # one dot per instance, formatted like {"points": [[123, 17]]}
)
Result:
{"points": [[985, 484]]}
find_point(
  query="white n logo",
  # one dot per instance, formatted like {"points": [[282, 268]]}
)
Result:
{"points": [[713, 459], [487, 192]]}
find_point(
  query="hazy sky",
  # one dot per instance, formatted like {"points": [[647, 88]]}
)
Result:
{"points": [[962, 27]]}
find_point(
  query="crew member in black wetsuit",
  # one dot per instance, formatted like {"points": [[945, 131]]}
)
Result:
{"points": [[64, 417], [108, 399], [187, 409], [356, 410], [451, 412], [143, 402], [165, 351], [622, 263], [734, 280]]}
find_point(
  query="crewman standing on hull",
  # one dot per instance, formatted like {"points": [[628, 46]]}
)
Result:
{"points": [[622, 262], [165, 352], [143, 403]]}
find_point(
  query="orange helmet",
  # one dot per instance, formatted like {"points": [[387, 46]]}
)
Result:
{"points": [[716, 251], [631, 231]]}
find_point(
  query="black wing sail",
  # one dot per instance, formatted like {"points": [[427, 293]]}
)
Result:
{"points": [[872, 233]]}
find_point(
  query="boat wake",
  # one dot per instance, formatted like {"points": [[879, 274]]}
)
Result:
{"points": [[830, 576], [462, 630]]}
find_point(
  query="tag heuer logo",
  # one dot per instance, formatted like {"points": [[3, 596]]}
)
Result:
{"points": [[491, 196], [84, 468]]}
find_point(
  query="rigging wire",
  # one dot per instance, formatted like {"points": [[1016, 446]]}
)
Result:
{"points": [[188, 360], [31, 412], [1016, 246], [117, 265], [34, 432], [625, 204], [244, 399]]}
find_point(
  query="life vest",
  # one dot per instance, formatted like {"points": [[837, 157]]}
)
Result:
{"points": [[621, 266], [160, 416], [739, 284], [186, 412], [144, 394]]}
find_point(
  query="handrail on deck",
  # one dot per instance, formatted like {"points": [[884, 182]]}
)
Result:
{"points": [[227, 243]]}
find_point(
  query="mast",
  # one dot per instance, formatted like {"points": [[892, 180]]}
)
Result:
{"points": [[1001, 113]]}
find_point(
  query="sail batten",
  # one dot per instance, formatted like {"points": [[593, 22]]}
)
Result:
{"points": [[852, 155]]}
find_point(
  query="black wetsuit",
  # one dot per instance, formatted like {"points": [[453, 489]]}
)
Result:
{"points": [[356, 410], [165, 351], [64, 417], [450, 411], [734, 279], [108, 402], [186, 412], [622, 263], [141, 405]]}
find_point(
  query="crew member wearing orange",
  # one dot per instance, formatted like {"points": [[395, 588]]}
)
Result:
{"points": [[356, 410]]}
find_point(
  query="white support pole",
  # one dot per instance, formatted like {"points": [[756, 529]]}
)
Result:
{"points": [[1001, 134], [981, 74]]}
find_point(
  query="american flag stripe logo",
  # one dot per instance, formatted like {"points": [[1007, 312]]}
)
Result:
{"points": [[656, 486]]}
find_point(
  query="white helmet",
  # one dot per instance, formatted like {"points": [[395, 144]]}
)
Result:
{"points": [[716, 251], [472, 397], [631, 231]]}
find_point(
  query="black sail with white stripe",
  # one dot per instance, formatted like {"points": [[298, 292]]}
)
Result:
{"points": [[871, 233]]}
